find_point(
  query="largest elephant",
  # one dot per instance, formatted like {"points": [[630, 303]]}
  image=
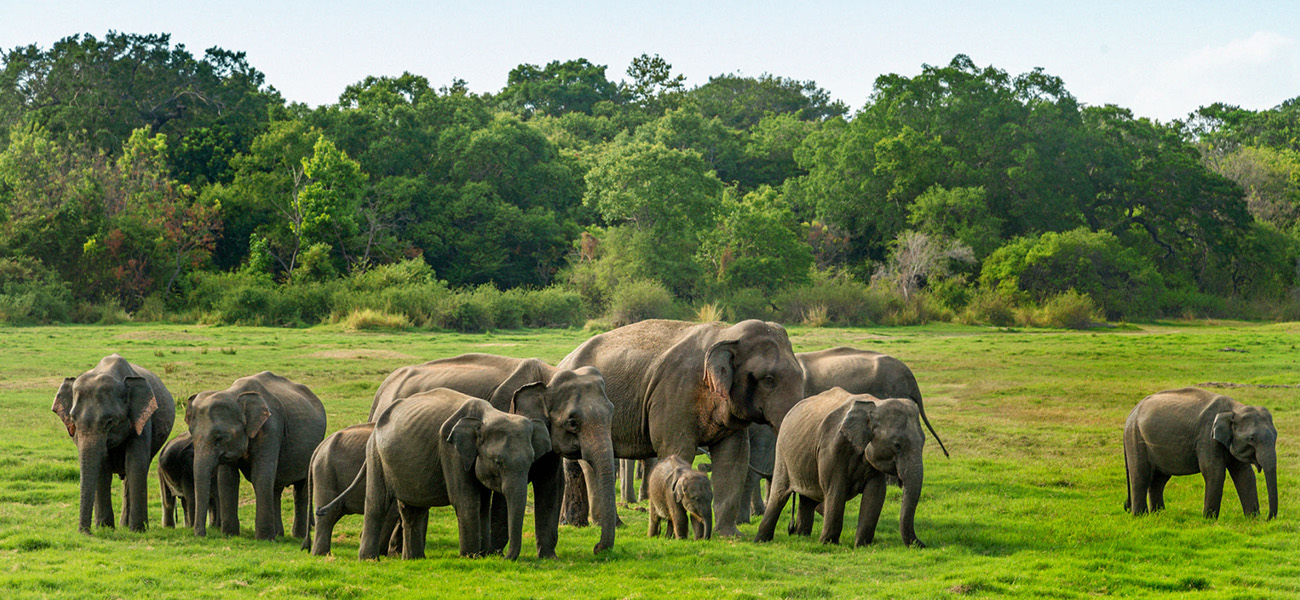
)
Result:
{"points": [[676, 386], [573, 404], [119, 415]]}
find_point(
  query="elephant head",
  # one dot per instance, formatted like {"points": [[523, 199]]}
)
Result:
{"points": [[499, 449], [222, 424], [888, 435], [574, 406], [753, 370], [100, 411], [695, 493], [1249, 435]]}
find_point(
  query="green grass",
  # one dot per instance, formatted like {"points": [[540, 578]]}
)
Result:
{"points": [[1029, 505]]}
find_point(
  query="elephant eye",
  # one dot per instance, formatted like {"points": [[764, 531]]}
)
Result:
{"points": [[571, 424], [769, 381], [898, 446]]}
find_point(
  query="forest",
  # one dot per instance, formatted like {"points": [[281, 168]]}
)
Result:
{"points": [[140, 180]]}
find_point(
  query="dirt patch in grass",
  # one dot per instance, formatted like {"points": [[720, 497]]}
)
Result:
{"points": [[150, 335], [359, 353]]}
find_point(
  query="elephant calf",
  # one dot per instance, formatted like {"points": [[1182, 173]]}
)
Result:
{"points": [[683, 496], [1190, 430], [176, 480], [836, 444], [334, 465], [441, 448]]}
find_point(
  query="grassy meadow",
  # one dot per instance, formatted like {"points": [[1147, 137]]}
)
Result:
{"points": [[1030, 505]]}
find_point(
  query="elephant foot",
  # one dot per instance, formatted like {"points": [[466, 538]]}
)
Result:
{"points": [[726, 531], [601, 547], [547, 554], [914, 543]]}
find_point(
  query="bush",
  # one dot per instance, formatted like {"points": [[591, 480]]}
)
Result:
{"points": [[640, 300], [1071, 310], [369, 319], [747, 303], [1120, 280], [553, 307], [109, 312], [465, 312], [989, 307], [31, 293]]}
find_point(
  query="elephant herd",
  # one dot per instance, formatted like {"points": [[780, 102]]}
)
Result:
{"points": [[473, 431]]}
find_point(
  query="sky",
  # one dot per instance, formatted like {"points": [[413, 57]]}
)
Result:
{"points": [[1161, 59]]}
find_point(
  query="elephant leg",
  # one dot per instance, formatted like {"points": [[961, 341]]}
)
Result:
{"points": [[1244, 480], [776, 499], [1140, 474], [323, 539], [627, 479], [391, 531], [746, 502], [873, 500], [654, 521], [833, 515], [697, 527], [499, 533], [104, 498], [547, 476], [1157, 491], [1213, 491], [228, 483], [277, 523], [415, 524], [301, 509], [575, 508], [730, 466], [136, 481], [646, 465], [379, 503], [485, 522], [125, 519], [467, 522], [681, 521], [168, 504], [804, 515]]}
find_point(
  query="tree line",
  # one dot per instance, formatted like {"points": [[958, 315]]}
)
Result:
{"points": [[137, 174]]}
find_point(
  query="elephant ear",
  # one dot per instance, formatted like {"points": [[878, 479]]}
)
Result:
{"points": [[189, 411], [856, 426], [255, 412], [541, 438], [63, 405], [679, 489], [464, 436], [529, 400], [719, 368], [1223, 428], [140, 402]]}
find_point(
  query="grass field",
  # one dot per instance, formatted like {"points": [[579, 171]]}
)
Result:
{"points": [[1030, 504]]}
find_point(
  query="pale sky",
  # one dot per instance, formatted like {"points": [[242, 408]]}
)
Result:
{"points": [[1162, 59]]}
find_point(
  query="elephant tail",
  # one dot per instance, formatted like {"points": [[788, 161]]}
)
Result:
{"points": [[1128, 484], [361, 476]]}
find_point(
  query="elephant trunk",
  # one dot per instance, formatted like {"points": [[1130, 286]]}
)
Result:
{"points": [[911, 478], [205, 464], [516, 493], [92, 451], [708, 521], [1268, 464], [598, 453]]}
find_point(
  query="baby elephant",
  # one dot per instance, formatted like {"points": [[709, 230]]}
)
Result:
{"points": [[176, 480], [334, 465], [682, 495], [834, 445], [441, 448], [1186, 431]]}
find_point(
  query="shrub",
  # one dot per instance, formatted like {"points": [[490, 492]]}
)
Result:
{"points": [[815, 316], [30, 292], [845, 300], [1070, 310], [553, 307], [109, 312], [369, 319], [640, 300], [464, 312], [1120, 280], [747, 303], [990, 307], [708, 313]]}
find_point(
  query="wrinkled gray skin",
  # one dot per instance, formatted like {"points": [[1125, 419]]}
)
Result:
{"points": [[334, 465], [762, 455], [441, 448], [265, 427], [683, 496], [571, 402], [677, 385], [836, 445], [119, 415], [1190, 430], [176, 480]]}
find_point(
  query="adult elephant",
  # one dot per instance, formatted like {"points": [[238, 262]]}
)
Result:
{"points": [[572, 403], [676, 386], [265, 427], [119, 415]]}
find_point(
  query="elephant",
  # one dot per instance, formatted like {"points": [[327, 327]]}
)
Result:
{"points": [[266, 427], [441, 448], [334, 465], [682, 495], [677, 385], [762, 453], [630, 470], [572, 403], [119, 415], [176, 480], [836, 445], [1191, 430]]}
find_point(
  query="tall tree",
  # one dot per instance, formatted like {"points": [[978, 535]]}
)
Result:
{"points": [[559, 87]]}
